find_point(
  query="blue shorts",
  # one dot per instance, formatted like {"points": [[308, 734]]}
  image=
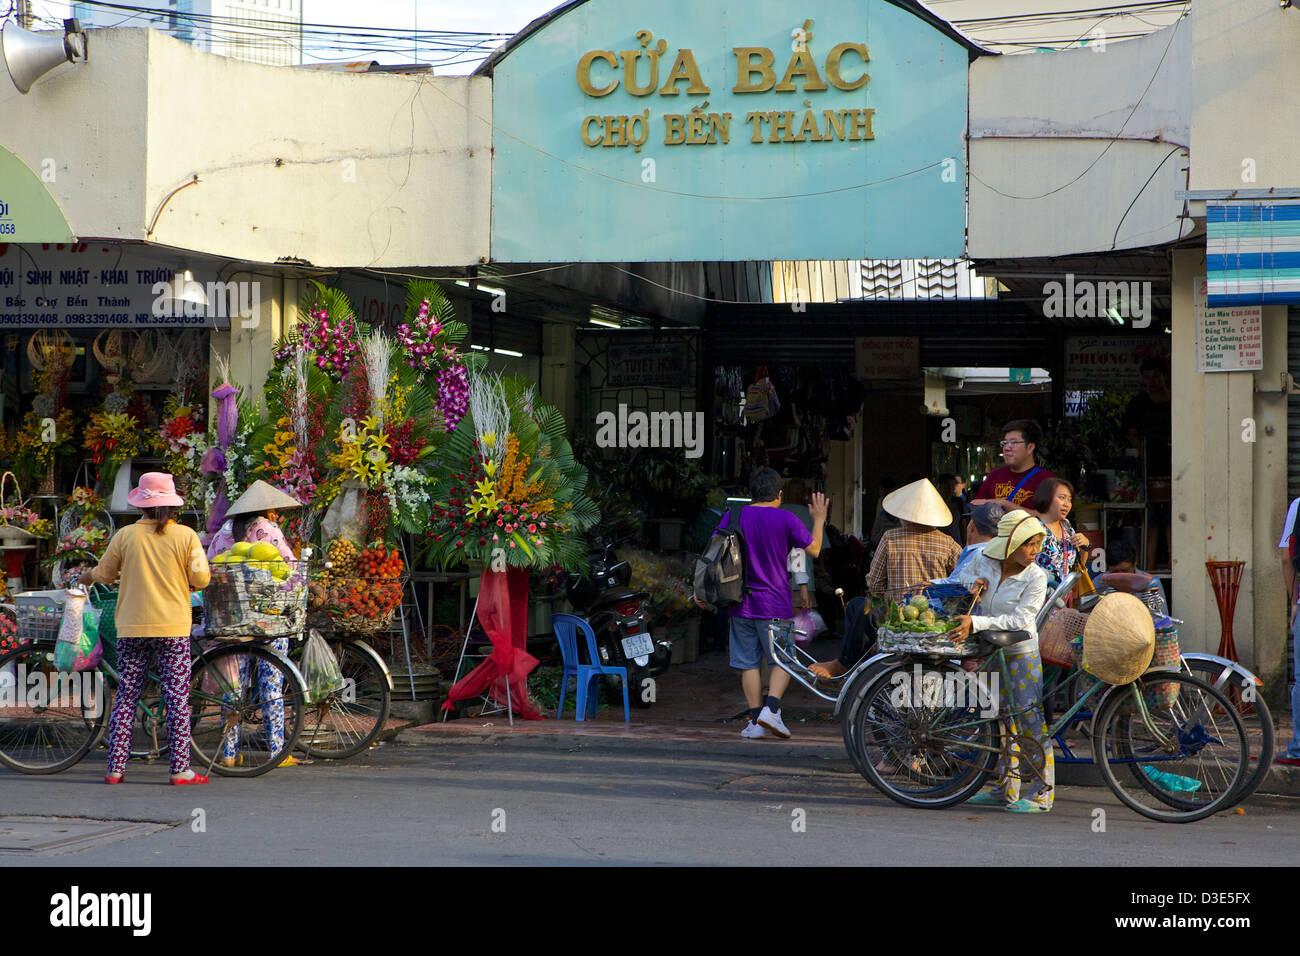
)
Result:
{"points": [[749, 642]]}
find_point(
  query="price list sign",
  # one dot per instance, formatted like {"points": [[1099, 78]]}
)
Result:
{"points": [[1228, 340]]}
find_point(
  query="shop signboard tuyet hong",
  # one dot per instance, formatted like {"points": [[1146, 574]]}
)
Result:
{"points": [[720, 131]]}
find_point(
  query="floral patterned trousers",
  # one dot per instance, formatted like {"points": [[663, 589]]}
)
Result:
{"points": [[133, 657], [1019, 781], [270, 688]]}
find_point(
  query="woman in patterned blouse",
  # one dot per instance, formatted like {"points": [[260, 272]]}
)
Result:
{"points": [[1052, 503]]}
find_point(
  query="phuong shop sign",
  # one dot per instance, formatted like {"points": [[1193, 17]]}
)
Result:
{"points": [[719, 131], [1109, 362]]}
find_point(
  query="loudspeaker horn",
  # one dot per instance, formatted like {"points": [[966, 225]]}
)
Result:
{"points": [[28, 56]]}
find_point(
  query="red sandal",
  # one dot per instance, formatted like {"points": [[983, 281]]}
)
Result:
{"points": [[114, 778], [188, 781]]}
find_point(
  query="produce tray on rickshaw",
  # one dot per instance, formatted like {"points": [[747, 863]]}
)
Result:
{"points": [[919, 620], [255, 600]]}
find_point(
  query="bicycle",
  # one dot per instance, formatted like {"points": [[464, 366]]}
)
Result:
{"points": [[50, 720], [909, 737]]}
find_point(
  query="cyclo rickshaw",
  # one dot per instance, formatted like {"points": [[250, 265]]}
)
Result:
{"points": [[1175, 745]]}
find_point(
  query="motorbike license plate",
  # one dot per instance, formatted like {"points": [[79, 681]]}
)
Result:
{"points": [[637, 645]]}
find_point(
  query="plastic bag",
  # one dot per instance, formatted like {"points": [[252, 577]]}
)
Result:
{"points": [[79, 647], [343, 518], [811, 623], [320, 668]]}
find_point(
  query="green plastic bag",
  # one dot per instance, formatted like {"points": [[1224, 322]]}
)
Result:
{"points": [[85, 652]]}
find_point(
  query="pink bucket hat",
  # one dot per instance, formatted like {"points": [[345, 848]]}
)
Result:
{"points": [[156, 489]]}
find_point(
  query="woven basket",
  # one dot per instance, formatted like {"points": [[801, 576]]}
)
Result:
{"points": [[1168, 656], [244, 602], [1056, 642], [347, 620], [9, 532]]}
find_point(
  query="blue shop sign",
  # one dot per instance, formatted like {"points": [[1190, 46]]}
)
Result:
{"points": [[688, 131]]}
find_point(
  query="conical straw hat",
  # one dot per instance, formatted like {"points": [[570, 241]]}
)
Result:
{"points": [[262, 497], [919, 503], [1119, 639]]}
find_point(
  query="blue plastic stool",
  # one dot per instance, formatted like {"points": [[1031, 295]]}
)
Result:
{"points": [[566, 628]]}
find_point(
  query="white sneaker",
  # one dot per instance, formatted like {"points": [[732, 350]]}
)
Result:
{"points": [[773, 723], [753, 731]]}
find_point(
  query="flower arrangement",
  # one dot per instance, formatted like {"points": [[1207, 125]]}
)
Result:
{"points": [[23, 518], [510, 487], [111, 438], [428, 341], [330, 333], [667, 581], [43, 436], [9, 639]]}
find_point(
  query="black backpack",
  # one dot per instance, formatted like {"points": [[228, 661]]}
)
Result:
{"points": [[720, 571]]}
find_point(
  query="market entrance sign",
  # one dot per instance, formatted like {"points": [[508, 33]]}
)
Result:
{"points": [[708, 131], [28, 213]]}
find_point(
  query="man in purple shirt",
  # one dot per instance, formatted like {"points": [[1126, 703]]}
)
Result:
{"points": [[769, 534]]}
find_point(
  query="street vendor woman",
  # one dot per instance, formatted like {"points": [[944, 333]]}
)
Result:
{"points": [[912, 554], [1014, 588], [253, 518]]}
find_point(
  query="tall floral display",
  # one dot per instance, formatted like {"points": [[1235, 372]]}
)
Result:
{"points": [[47, 431], [512, 501]]}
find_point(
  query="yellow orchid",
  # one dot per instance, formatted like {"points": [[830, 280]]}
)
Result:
{"points": [[490, 439]]}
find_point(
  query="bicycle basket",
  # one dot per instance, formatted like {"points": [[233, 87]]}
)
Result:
{"points": [[39, 615], [246, 601], [903, 636], [1168, 655], [105, 601]]}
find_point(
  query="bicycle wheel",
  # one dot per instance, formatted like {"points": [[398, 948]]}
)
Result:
{"points": [[1255, 717], [918, 749], [49, 719], [347, 721], [853, 697], [238, 694], [1184, 764]]}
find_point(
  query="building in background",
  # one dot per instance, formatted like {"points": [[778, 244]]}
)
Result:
{"points": [[258, 31]]}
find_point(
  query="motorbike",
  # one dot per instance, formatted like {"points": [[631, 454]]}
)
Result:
{"points": [[619, 616]]}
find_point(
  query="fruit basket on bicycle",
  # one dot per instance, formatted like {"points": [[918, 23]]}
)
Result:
{"points": [[254, 600], [359, 589], [919, 620]]}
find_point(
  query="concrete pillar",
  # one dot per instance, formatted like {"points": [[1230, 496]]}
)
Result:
{"points": [[558, 378], [252, 341], [1229, 493]]}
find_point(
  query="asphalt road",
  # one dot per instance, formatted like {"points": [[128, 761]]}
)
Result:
{"points": [[459, 804]]}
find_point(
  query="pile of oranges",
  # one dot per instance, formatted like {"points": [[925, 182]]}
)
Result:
{"points": [[376, 591], [378, 562]]}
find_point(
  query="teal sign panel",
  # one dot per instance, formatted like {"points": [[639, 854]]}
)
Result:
{"points": [[720, 131]]}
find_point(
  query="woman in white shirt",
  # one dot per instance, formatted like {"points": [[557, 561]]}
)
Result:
{"points": [[1015, 588]]}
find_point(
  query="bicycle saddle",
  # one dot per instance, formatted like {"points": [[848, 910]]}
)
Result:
{"points": [[1132, 583], [1004, 638]]}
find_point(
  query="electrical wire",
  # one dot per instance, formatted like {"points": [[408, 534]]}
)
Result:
{"points": [[1115, 238], [1172, 34]]}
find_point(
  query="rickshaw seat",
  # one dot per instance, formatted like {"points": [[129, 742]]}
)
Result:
{"points": [[1132, 583]]}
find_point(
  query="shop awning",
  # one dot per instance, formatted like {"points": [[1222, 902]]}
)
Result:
{"points": [[1253, 252], [28, 213]]}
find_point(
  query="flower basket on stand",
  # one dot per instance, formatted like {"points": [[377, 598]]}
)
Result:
{"points": [[18, 525]]}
